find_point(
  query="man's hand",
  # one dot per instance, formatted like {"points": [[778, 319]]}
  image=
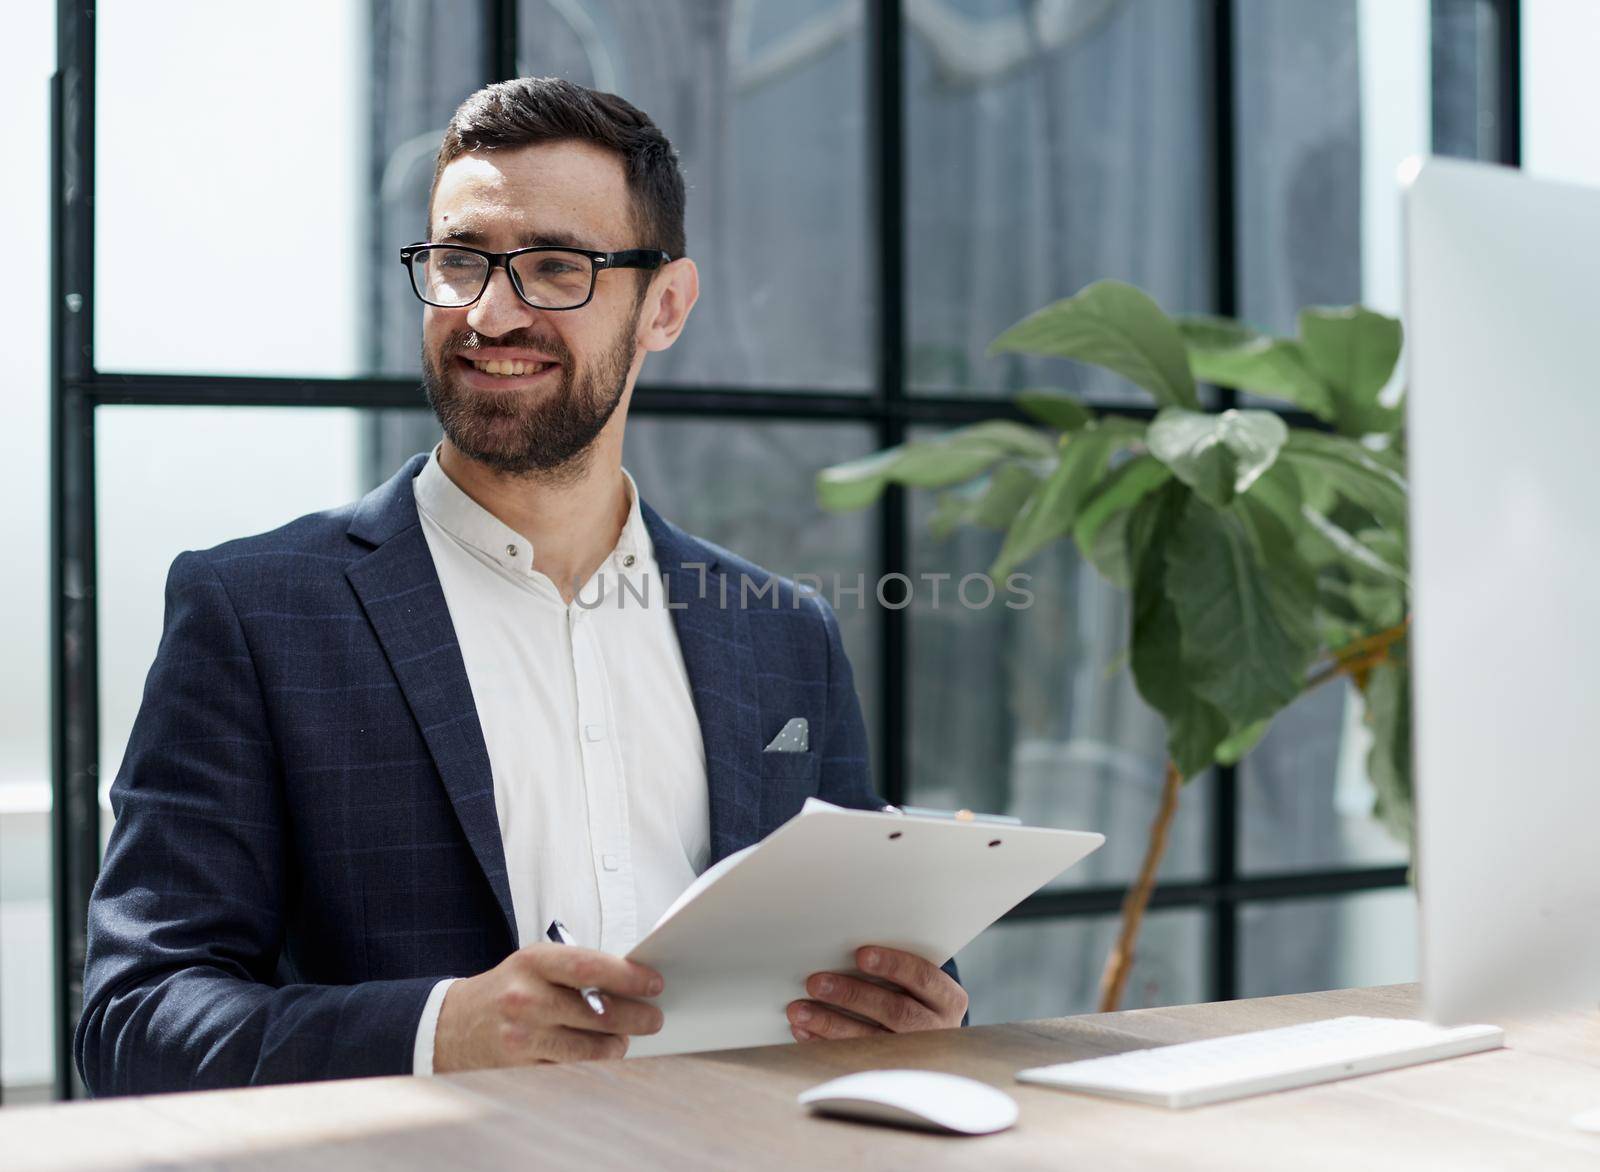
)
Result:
{"points": [[527, 1009], [924, 998]]}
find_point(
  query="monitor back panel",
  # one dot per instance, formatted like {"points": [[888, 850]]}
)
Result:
{"points": [[1503, 344]]}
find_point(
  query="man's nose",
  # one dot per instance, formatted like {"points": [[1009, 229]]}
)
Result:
{"points": [[499, 310]]}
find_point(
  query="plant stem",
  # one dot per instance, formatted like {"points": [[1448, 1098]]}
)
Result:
{"points": [[1114, 980], [1361, 655]]}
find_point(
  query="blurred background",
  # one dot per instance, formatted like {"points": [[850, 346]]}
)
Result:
{"points": [[876, 189]]}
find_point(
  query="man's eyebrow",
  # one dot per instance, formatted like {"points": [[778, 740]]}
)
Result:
{"points": [[465, 234]]}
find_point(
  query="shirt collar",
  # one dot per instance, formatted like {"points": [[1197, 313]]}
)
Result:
{"points": [[464, 519]]}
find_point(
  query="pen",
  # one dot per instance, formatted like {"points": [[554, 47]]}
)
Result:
{"points": [[557, 932]]}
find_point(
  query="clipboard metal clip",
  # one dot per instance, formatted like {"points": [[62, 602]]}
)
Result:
{"points": [[953, 815]]}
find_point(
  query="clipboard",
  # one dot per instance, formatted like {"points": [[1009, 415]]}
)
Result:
{"points": [[737, 946]]}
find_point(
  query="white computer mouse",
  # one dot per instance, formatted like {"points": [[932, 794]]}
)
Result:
{"points": [[915, 1098]]}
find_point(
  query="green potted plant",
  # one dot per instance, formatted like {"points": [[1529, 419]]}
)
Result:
{"points": [[1263, 560]]}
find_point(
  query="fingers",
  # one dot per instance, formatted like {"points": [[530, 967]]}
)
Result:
{"points": [[622, 1016], [809, 1021], [893, 1009], [570, 1045], [581, 968], [923, 979]]}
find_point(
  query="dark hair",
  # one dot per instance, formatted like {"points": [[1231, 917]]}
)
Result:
{"points": [[531, 110]]}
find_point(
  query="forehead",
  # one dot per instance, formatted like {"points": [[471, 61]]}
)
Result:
{"points": [[557, 192]]}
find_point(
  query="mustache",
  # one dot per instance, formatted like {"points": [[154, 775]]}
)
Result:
{"points": [[464, 342]]}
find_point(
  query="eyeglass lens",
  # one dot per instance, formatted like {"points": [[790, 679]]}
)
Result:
{"points": [[551, 280]]}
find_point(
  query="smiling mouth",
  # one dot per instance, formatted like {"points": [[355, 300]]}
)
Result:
{"points": [[509, 368]]}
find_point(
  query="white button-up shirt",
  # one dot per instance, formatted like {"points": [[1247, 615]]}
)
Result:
{"points": [[590, 725]]}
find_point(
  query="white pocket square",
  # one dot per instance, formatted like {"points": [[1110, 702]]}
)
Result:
{"points": [[794, 737]]}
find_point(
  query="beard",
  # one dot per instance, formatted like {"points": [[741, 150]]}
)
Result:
{"points": [[532, 433]]}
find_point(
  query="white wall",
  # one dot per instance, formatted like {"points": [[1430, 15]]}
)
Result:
{"points": [[25, 958], [1561, 89]]}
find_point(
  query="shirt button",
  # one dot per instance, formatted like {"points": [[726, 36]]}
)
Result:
{"points": [[511, 551], [594, 732], [609, 862], [629, 560]]}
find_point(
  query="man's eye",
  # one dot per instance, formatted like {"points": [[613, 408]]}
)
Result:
{"points": [[556, 268]]}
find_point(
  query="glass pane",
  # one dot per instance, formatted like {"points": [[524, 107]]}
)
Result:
{"points": [[424, 56], [1298, 98], [27, 1040], [1044, 152], [1021, 970], [1302, 945], [1025, 705], [169, 479], [1305, 802], [749, 487], [186, 238], [1332, 96], [1466, 78], [766, 103]]}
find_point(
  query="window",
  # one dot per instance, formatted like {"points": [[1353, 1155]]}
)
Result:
{"points": [[876, 189]]}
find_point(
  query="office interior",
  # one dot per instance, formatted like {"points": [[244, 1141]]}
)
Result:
{"points": [[876, 190]]}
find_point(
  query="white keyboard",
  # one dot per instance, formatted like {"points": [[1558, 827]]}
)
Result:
{"points": [[1219, 1069]]}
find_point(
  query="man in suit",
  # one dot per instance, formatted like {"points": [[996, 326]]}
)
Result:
{"points": [[384, 747]]}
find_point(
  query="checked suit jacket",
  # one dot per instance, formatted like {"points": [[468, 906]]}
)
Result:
{"points": [[306, 837]]}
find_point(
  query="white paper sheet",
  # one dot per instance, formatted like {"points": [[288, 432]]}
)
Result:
{"points": [[737, 946]]}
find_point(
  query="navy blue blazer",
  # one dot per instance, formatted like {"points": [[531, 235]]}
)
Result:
{"points": [[306, 838]]}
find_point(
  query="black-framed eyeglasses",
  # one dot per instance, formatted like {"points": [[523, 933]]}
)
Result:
{"points": [[453, 276]]}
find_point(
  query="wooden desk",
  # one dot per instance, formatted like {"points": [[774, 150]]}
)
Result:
{"points": [[736, 1109]]}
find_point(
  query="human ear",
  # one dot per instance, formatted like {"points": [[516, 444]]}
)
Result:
{"points": [[676, 288]]}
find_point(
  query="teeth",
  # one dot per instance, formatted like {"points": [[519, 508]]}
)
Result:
{"points": [[509, 367]]}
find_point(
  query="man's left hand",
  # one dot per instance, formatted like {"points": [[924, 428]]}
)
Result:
{"points": [[923, 997]]}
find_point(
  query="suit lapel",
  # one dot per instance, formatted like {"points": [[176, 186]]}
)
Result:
{"points": [[714, 636], [399, 589]]}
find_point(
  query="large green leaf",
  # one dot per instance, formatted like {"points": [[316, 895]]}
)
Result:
{"points": [[1102, 527], [1339, 464], [1227, 354], [1128, 431], [1232, 750], [1052, 508], [1354, 351], [1279, 491], [1194, 727], [1388, 704], [1363, 562], [989, 503], [1219, 456], [1244, 603], [1056, 409], [950, 459], [1116, 326]]}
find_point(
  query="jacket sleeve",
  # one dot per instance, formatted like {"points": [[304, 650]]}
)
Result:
{"points": [[186, 921], [846, 763]]}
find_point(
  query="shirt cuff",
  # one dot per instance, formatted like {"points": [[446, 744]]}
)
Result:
{"points": [[422, 1051]]}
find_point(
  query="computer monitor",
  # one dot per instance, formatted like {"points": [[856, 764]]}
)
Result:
{"points": [[1503, 434]]}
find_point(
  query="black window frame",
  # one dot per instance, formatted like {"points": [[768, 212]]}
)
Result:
{"points": [[78, 388]]}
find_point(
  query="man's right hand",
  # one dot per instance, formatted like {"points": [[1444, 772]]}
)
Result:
{"points": [[527, 1009]]}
